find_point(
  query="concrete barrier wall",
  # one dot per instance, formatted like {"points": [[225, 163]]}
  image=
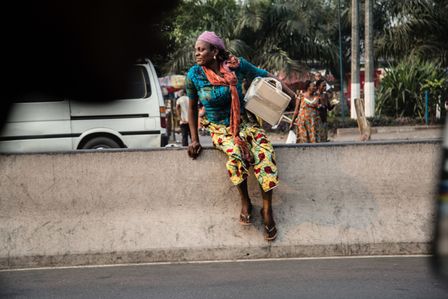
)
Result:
{"points": [[159, 205]]}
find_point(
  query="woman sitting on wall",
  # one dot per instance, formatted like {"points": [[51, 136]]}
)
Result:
{"points": [[216, 80]]}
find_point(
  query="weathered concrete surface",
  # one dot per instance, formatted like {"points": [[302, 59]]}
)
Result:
{"points": [[390, 133], [159, 205], [393, 129], [397, 133]]}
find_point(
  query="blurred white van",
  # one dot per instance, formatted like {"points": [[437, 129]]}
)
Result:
{"points": [[136, 120]]}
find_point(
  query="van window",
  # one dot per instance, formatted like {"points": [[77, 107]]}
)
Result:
{"points": [[137, 85], [37, 97]]}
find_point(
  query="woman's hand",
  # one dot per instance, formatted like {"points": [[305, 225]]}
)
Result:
{"points": [[194, 149], [291, 125], [293, 122]]}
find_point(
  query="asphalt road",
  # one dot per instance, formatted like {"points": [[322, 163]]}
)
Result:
{"points": [[381, 277]]}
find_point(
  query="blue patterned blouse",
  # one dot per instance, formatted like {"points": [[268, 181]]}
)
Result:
{"points": [[215, 98]]}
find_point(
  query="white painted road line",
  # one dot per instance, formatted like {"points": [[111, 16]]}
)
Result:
{"points": [[218, 261]]}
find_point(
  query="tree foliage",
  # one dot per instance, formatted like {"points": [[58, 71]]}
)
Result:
{"points": [[288, 34], [193, 17], [415, 27], [285, 34], [401, 93], [274, 34]]}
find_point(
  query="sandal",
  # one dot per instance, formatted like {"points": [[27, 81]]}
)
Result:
{"points": [[246, 219], [270, 234]]}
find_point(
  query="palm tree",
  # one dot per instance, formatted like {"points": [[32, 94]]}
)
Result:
{"points": [[190, 19], [285, 34], [273, 34], [416, 27]]}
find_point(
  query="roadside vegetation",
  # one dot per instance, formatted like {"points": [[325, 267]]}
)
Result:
{"points": [[285, 35]]}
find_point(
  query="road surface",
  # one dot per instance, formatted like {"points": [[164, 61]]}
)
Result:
{"points": [[379, 277]]}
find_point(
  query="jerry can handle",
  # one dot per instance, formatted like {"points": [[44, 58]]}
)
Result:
{"points": [[277, 83]]}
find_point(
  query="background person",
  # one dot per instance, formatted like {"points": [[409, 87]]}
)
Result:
{"points": [[182, 113], [325, 106], [308, 119], [216, 80]]}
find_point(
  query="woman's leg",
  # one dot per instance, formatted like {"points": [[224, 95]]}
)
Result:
{"points": [[236, 167], [265, 170], [222, 139], [268, 216], [246, 205]]}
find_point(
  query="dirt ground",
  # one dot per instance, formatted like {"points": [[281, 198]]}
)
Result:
{"points": [[391, 133], [351, 135]]}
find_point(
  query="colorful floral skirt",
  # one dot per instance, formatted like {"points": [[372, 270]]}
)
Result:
{"points": [[309, 126], [261, 149]]}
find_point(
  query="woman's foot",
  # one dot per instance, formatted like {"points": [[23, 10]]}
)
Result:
{"points": [[270, 233], [246, 215], [270, 230]]}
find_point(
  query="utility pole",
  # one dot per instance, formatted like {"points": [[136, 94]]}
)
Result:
{"points": [[369, 82], [355, 86], [341, 68]]}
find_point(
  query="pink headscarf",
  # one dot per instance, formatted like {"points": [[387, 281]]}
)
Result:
{"points": [[211, 38]]}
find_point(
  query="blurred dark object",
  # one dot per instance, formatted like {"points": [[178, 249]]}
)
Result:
{"points": [[440, 257], [77, 49]]}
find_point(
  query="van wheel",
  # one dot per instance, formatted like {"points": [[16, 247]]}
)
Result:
{"points": [[101, 143]]}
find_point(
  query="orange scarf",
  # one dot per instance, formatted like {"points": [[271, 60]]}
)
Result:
{"points": [[230, 80]]}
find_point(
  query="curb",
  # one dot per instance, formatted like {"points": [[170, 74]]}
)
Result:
{"points": [[183, 255]]}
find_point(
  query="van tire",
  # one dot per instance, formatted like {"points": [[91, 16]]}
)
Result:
{"points": [[100, 143]]}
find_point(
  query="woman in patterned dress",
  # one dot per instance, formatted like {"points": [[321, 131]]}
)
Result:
{"points": [[216, 81], [307, 109]]}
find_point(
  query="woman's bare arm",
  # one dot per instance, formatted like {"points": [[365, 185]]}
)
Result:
{"points": [[194, 149], [285, 88]]}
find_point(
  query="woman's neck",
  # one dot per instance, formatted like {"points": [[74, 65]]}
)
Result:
{"points": [[214, 66], [307, 94]]}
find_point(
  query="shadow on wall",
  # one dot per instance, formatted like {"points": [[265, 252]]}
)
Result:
{"points": [[341, 195]]}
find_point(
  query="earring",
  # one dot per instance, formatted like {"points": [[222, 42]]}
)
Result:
{"points": [[214, 57]]}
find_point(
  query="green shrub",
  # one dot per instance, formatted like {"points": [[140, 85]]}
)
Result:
{"points": [[401, 93]]}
